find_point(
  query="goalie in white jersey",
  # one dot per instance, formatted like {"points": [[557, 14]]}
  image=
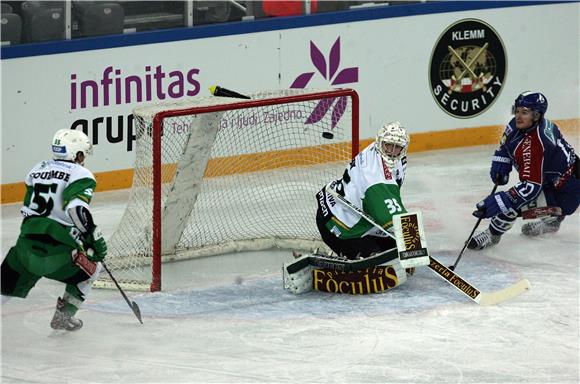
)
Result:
{"points": [[58, 232], [372, 182]]}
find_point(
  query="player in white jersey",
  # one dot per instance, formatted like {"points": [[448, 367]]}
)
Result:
{"points": [[58, 237], [372, 182]]}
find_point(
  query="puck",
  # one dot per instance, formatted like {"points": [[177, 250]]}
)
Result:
{"points": [[327, 135]]}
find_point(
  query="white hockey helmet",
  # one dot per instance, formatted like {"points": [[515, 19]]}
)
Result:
{"points": [[68, 142], [392, 142]]}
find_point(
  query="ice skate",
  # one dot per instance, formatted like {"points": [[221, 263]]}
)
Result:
{"points": [[483, 240], [544, 225], [62, 320]]}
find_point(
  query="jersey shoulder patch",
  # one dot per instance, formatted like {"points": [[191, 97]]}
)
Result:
{"points": [[549, 129], [509, 128], [82, 189], [82, 185]]}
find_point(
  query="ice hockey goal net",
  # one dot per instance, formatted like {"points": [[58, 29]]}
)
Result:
{"points": [[215, 175]]}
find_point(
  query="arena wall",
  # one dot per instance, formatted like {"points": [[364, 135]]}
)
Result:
{"points": [[388, 54]]}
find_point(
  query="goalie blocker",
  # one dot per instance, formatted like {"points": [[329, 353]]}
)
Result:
{"points": [[375, 274]]}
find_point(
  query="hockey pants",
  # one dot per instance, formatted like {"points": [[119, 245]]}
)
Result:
{"points": [[31, 259], [352, 248]]}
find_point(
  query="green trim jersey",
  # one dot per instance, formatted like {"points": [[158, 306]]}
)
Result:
{"points": [[370, 185], [53, 186]]}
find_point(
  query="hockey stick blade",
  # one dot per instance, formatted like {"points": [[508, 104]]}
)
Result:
{"points": [[133, 305], [481, 298], [136, 311], [492, 298]]}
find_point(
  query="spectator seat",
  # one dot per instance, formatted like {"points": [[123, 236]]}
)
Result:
{"points": [[11, 28], [43, 21], [97, 18]]}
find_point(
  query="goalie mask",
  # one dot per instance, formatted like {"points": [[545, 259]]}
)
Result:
{"points": [[392, 142], [68, 142]]}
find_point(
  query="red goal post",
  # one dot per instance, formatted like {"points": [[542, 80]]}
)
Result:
{"points": [[215, 175]]}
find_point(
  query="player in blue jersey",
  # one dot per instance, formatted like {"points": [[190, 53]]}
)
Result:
{"points": [[547, 167]]}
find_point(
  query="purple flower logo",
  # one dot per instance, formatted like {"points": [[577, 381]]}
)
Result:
{"points": [[345, 76]]}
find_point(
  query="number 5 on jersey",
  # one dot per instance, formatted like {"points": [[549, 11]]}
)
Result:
{"points": [[42, 198]]}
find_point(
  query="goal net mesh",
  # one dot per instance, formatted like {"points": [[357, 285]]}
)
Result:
{"points": [[234, 175]]}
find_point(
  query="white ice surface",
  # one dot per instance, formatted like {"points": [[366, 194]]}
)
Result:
{"points": [[227, 318]]}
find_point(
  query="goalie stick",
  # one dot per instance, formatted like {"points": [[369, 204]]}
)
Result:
{"points": [[336, 263], [482, 298]]}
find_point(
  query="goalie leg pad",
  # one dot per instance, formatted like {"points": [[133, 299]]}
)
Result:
{"points": [[377, 279], [299, 281], [335, 274]]}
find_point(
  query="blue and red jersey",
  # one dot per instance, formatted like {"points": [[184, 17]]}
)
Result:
{"points": [[541, 156]]}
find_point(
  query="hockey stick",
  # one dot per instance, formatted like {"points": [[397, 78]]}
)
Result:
{"points": [[470, 235], [216, 90], [342, 265], [133, 305], [482, 298]]}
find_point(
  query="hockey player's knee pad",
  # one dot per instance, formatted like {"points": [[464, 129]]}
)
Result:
{"points": [[86, 285], [79, 285]]}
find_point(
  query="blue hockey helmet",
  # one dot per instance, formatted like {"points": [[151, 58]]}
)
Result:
{"points": [[535, 101]]}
